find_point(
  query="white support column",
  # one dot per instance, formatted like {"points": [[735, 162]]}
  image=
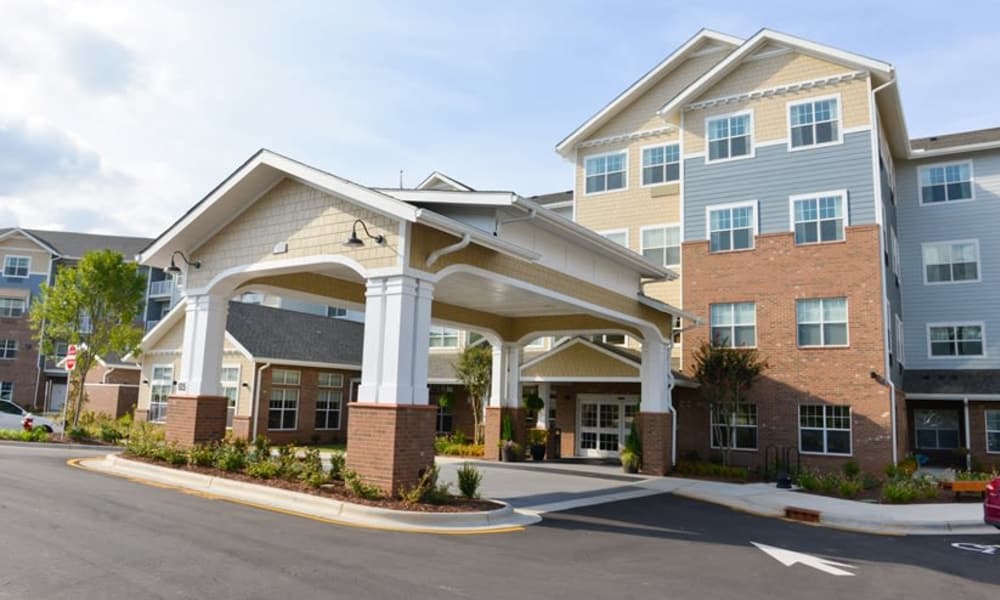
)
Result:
{"points": [[204, 334], [397, 336], [505, 384], [657, 379], [544, 391]]}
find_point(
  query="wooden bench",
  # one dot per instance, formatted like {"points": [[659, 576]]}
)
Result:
{"points": [[968, 487]]}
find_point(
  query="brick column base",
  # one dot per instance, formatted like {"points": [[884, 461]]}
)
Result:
{"points": [[493, 428], [241, 427], [193, 420], [141, 415], [390, 446], [656, 433]]}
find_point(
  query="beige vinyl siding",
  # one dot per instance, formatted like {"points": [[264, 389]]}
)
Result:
{"points": [[18, 245], [580, 361]]}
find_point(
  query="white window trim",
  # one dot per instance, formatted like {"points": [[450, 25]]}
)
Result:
{"points": [[11, 397], [459, 341], [750, 130], [5, 340], [680, 241], [606, 232], [239, 378], [982, 329], [849, 430], [587, 157], [897, 267], [840, 122], [330, 387], [24, 307], [155, 382], [10, 256], [972, 182], [756, 336], [340, 411], [816, 196], [298, 407], [987, 430], [917, 430], [680, 163], [847, 322], [900, 345], [755, 221], [711, 431], [979, 262]]}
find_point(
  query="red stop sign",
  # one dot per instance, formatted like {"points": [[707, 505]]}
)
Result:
{"points": [[71, 357]]}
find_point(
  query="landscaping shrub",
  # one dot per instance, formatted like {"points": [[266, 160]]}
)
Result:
{"points": [[849, 487], [907, 467], [869, 481], [261, 449], [469, 480], [708, 469], [263, 469], [109, 433], [427, 489], [808, 480], [311, 469], [359, 488], [904, 490], [202, 455], [288, 464], [171, 454], [19, 435], [852, 469], [77, 434], [337, 462], [231, 455], [829, 483]]}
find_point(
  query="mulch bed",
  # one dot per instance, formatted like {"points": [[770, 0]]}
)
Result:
{"points": [[335, 490], [943, 497]]}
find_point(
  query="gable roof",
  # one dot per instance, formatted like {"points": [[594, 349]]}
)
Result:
{"points": [[439, 181], [71, 244], [643, 84], [274, 334], [554, 198], [11, 231], [884, 71], [628, 356], [980, 139]]}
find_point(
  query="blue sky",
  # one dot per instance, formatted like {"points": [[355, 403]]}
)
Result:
{"points": [[115, 117]]}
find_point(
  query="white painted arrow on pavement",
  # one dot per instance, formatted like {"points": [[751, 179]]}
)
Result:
{"points": [[789, 558]]}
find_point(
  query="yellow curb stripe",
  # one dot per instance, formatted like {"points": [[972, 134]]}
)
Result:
{"points": [[76, 462]]}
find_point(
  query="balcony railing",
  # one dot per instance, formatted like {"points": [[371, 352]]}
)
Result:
{"points": [[160, 289]]}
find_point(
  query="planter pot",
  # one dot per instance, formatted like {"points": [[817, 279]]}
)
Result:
{"points": [[538, 452], [510, 455], [630, 467]]}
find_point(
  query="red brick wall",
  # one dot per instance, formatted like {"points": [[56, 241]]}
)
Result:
{"points": [[461, 411], [390, 446], [123, 376], [774, 275], [22, 370], [111, 400], [305, 431], [977, 426], [656, 435], [195, 419]]}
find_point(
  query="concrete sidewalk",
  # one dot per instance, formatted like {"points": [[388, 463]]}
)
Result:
{"points": [[553, 486]]}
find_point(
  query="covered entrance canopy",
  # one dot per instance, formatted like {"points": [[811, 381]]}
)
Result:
{"points": [[490, 262]]}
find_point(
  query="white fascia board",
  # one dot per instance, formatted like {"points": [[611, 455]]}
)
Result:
{"points": [[480, 237], [566, 146], [598, 243], [451, 197], [40, 243], [287, 362], [669, 309], [759, 39], [918, 154], [458, 185], [164, 325], [327, 182]]}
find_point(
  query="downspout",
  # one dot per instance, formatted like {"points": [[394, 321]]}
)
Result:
{"points": [[104, 378], [532, 212], [460, 245], [968, 436], [673, 421], [256, 400]]}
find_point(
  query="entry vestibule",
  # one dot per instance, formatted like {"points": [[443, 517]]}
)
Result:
{"points": [[603, 423], [279, 225]]}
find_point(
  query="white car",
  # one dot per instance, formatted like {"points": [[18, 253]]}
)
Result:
{"points": [[12, 416]]}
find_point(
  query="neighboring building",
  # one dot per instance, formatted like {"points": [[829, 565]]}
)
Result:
{"points": [[30, 258], [776, 176], [288, 375]]}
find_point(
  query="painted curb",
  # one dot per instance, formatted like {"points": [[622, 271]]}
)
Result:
{"points": [[495, 521]]}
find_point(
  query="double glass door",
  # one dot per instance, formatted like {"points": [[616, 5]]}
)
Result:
{"points": [[603, 423]]}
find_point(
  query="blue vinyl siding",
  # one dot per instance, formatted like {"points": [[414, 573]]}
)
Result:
{"points": [[32, 282], [960, 302], [774, 175]]}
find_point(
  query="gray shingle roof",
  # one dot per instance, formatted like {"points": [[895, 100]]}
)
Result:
{"points": [[953, 381], [951, 140], [554, 198], [288, 335], [75, 245]]}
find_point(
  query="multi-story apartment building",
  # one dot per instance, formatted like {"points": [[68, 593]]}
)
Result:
{"points": [[776, 176]]}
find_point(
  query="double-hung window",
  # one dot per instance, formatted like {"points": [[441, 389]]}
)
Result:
{"points": [[945, 183], [731, 227], [822, 322], [283, 409], [734, 325], [729, 137], [329, 400], [818, 218], [8, 349], [738, 427], [11, 307], [937, 429], [606, 172], [993, 431], [955, 340], [950, 262], [814, 122], [7, 391], [16, 266], [662, 245], [160, 386], [661, 164], [443, 337], [825, 429], [231, 390]]}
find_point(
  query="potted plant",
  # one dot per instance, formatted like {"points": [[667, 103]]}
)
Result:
{"points": [[534, 403], [537, 439], [631, 453], [512, 451], [506, 438]]}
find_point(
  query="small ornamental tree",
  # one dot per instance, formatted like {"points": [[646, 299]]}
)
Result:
{"points": [[474, 369], [97, 303], [726, 376]]}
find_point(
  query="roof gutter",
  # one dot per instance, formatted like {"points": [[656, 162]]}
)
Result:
{"points": [[438, 221]]}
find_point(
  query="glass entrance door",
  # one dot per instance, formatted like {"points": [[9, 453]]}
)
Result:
{"points": [[603, 423]]}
